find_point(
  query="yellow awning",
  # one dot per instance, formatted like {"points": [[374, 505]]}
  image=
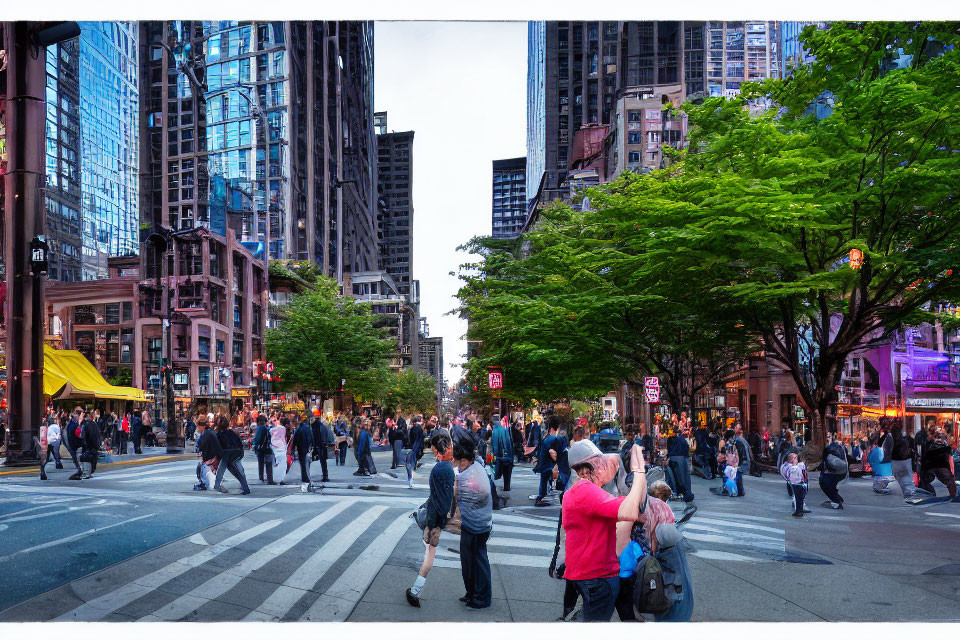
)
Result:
{"points": [[68, 374]]}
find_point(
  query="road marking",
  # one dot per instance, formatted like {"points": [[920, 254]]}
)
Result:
{"points": [[343, 595], [44, 506], [508, 559], [521, 520], [735, 524], [944, 515], [502, 528], [67, 510], [106, 604], [61, 541], [220, 584], [312, 571], [715, 539], [711, 554], [517, 543], [736, 535], [198, 538]]}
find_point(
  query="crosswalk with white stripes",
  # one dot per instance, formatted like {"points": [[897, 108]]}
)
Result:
{"points": [[309, 558]]}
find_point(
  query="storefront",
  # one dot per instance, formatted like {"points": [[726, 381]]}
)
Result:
{"points": [[241, 396], [941, 411]]}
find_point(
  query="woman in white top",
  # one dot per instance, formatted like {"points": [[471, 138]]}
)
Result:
{"points": [[278, 445], [53, 439]]}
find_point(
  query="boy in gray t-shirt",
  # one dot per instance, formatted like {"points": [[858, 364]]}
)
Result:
{"points": [[476, 517]]}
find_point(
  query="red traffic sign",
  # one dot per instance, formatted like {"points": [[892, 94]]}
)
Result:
{"points": [[495, 379], [651, 389]]}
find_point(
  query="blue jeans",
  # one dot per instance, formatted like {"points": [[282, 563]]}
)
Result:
{"points": [[410, 463], [681, 475], [73, 456], [599, 598], [54, 448], [545, 478], [799, 492]]}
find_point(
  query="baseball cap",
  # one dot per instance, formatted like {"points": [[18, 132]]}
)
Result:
{"points": [[580, 451]]}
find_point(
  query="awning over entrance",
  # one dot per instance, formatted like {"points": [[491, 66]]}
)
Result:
{"points": [[68, 374]]}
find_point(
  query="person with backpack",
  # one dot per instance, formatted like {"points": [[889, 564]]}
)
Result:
{"points": [[439, 506], [835, 468], [589, 516], [677, 580]]}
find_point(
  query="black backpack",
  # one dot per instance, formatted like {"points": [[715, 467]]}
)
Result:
{"points": [[649, 594]]}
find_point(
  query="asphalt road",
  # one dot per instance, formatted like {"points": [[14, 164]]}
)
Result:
{"points": [[136, 543]]}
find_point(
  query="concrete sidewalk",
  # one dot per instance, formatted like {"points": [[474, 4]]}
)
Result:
{"points": [[150, 455]]}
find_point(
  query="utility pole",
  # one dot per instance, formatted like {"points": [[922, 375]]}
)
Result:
{"points": [[24, 43]]}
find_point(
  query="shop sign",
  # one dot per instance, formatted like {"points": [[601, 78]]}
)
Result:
{"points": [[240, 393], [651, 389], [933, 403]]}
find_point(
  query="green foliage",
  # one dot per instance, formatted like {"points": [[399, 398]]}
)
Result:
{"points": [[124, 378], [412, 391], [743, 243], [323, 339]]}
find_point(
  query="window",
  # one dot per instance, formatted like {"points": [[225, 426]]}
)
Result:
{"points": [[221, 350], [237, 350], [633, 137], [203, 348], [112, 314], [127, 311], [154, 350], [203, 376], [633, 157]]}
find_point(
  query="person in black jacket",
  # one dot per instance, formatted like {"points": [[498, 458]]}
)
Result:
{"points": [[322, 440], [136, 430], [902, 460], [232, 448], [208, 446], [756, 445], [416, 450], [303, 442], [935, 462], [395, 436], [90, 445], [73, 438], [678, 452], [831, 476]]}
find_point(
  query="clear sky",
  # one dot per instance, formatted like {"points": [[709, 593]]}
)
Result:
{"points": [[461, 87]]}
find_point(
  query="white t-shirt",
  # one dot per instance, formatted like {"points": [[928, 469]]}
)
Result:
{"points": [[53, 433], [278, 437], [730, 472]]}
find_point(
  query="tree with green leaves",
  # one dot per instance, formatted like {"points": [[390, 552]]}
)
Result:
{"points": [[412, 391], [760, 216], [323, 338]]}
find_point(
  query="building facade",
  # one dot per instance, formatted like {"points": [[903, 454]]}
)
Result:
{"points": [[397, 313], [395, 216], [216, 314], [265, 128], [91, 151], [509, 196]]}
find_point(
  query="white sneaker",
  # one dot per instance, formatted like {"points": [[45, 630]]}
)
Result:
{"points": [[304, 487]]}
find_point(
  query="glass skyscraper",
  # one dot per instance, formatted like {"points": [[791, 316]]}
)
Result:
{"points": [[109, 143], [536, 106]]}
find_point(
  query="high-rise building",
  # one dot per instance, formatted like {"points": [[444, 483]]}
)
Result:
{"points": [[265, 128], [509, 196], [395, 216], [92, 141], [431, 357], [109, 143], [578, 71], [62, 162]]}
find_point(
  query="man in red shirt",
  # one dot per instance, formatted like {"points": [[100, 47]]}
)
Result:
{"points": [[590, 517]]}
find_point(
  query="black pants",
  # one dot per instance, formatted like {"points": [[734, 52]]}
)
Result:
{"points": [[323, 463], [475, 567], [135, 436], [231, 463], [624, 603], [829, 482], [262, 465], [342, 454], [570, 595], [74, 457], [504, 469], [397, 446], [943, 475], [799, 492], [303, 455]]}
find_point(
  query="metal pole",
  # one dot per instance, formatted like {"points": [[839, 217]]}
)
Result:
{"points": [[23, 219]]}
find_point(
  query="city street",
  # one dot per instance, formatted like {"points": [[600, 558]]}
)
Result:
{"points": [[135, 543]]}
